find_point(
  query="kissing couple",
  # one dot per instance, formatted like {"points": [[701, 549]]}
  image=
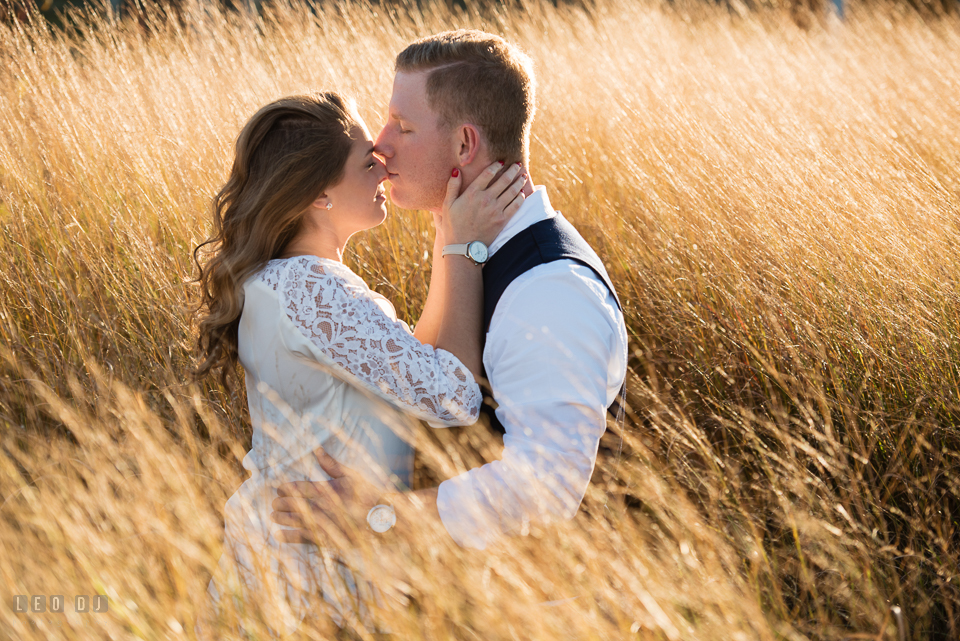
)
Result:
{"points": [[517, 299]]}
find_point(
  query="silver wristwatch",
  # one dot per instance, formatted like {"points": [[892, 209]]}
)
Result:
{"points": [[381, 518], [475, 251]]}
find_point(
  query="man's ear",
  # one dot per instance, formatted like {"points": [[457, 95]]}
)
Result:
{"points": [[469, 143]]}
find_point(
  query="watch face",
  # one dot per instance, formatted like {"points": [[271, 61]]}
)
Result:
{"points": [[381, 518], [478, 251]]}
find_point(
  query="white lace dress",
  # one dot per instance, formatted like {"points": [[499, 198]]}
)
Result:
{"points": [[321, 353]]}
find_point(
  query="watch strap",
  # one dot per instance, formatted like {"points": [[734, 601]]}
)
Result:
{"points": [[459, 250]]}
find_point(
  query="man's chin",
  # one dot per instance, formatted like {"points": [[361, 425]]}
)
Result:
{"points": [[400, 199], [406, 200]]}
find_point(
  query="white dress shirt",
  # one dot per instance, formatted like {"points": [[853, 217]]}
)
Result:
{"points": [[555, 356]]}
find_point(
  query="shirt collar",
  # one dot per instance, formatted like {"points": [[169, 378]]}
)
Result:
{"points": [[535, 207]]}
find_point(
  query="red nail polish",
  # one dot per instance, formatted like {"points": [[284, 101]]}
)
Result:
{"points": [[501, 162], [456, 172]]}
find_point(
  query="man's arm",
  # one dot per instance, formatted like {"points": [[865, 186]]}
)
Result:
{"points": [[333, 511], [556, 353], [555, 357]]}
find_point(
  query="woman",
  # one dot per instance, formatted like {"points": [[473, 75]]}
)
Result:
{"points": [[315, 342]]}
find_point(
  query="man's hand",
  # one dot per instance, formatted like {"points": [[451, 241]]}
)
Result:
{"points": [[320, 511]]}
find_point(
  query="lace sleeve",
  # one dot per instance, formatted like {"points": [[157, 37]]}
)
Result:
{"points": [[341, 320]]}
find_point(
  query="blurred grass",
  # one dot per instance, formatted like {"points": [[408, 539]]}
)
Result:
{"points": [[780, 211]]}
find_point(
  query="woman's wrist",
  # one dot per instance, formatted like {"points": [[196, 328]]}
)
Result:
{"points": [[456, 235], [449, 236]]}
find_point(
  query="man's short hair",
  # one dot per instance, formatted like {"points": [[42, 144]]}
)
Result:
{"points": [[481, 79]]}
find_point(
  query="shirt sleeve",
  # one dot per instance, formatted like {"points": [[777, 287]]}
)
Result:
{"points": [[342, 321], [555, 357]]}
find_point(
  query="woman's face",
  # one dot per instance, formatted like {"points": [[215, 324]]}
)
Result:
{"points": [[358, 200]]}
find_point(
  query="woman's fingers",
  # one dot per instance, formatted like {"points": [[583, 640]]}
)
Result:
{"points": [[453, 189], [514, 206], [512, 190], [485, 205], [486, 176], [508, 178]]}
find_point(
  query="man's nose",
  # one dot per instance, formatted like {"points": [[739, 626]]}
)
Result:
{"points": [[382, 146], [381, 169]]}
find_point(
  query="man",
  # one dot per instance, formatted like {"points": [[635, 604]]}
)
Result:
{"points": [[555, 352]]}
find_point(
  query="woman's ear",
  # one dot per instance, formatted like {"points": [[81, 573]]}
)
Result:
{"points": [[322, 202], [469, 143]]}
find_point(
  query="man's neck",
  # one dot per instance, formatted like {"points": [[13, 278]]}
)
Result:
{"points": [[527, 191], [527, 188], [535, 207]]}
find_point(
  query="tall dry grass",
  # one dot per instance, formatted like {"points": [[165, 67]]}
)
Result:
{"points": [[780, 210]]}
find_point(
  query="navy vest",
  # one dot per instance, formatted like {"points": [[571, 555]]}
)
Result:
{"points": [[543, 242]]}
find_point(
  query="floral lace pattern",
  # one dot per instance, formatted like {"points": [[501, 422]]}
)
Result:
{"points": [[271, 273], [333, 309]]}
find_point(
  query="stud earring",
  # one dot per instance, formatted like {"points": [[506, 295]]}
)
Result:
{"points": [[329, 205]]}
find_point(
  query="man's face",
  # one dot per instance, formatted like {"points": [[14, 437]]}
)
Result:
{"points": [[418, 152]]}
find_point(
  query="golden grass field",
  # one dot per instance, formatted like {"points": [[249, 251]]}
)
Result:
{"points": [[780, 211]]}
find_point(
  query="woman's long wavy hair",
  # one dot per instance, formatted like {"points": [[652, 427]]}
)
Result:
{"points": [[287, 155]]}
